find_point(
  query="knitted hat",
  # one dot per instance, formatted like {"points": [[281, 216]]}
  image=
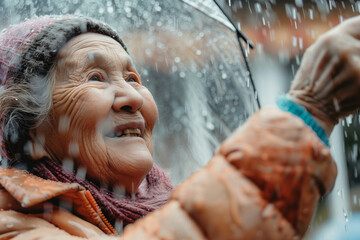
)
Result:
{"points": [[27, 53]]}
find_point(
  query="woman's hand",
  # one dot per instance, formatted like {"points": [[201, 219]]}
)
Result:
{"points": [[327, 83], [286, 161]]}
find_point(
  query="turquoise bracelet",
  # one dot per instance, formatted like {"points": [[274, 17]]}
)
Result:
{"points": [[285, 103]]}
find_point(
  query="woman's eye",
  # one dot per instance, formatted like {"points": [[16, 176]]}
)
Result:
{"points": [[95, 78], [131, 80]]}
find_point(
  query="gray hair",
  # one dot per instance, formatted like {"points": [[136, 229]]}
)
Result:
{"points": [[23, 107]]}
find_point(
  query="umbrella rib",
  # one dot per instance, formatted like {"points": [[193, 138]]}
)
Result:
{"points": [[238, 32], [239, 35]]}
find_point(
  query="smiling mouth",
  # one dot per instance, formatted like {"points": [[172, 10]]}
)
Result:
{"points": [[130, 132]]}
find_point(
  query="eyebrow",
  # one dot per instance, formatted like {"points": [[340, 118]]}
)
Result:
{"points": [[101, 58]]}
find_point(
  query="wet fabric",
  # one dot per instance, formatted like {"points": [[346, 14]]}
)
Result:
{"points": [[151, 195]]}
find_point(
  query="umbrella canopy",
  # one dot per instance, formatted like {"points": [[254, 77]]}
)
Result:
{"points": [[190, 61]]}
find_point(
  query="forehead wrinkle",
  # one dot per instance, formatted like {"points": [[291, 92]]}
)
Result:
{"points": [[108, 59], [107, 54]]}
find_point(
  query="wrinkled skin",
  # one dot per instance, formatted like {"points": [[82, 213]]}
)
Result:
{"points": [[97, 90], [328, 80]]}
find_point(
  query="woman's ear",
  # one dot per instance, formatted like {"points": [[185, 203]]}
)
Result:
{"points": [[36, 146]]}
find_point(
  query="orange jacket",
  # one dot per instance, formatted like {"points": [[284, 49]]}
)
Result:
{"points": [[26, 211], [264, 182]]}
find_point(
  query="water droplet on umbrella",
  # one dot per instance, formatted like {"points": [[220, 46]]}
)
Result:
{"points": [[182, 74]]}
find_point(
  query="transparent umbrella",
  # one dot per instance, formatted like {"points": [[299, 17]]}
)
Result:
{"points": [[188, 56]]}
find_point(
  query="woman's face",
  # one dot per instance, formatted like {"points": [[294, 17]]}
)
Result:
{"points": [[103, 117]]}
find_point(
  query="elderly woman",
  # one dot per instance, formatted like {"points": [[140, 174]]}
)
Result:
{"points": [[71, 93]]}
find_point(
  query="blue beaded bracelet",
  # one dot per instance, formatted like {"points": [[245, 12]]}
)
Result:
{"points": [[285, 103]]}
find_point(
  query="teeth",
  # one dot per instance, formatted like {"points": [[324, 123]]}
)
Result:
{"points": [[129, 133]]}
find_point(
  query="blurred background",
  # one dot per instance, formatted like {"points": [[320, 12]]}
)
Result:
{"points": [[189, 57], [281, 31]]}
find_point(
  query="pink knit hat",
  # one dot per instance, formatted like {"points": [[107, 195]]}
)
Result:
{"points": [[27, 53]]}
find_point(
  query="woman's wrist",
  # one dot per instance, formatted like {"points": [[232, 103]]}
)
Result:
{"points": [[289, 104]]}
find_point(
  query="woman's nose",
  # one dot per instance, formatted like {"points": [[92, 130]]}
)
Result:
{"points": [[127, 98]]}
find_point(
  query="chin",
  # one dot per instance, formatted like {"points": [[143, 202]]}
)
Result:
{"points": [[128, 166], [132, 181]]}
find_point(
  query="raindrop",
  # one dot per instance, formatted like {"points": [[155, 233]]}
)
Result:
{"points": [[294, 41], [348, 120], [257, 7], [260, 48], [311, 14], [83, 27], [145, 72], [119, 226], [223, 75], [299, 3], [198, 52], [81, 173], [101, 10], [68, 164], [301, 45], [148, 52], [340, 193], [4, 163], [354, 199], [210, 125], [341, 18], [355, 173], [73, 149], [64, 123], [182, 74], [110, 9], [177, 59], [119, 192], [332, 4], [157, 8], [354, 153], [90, 56], [346, 216], [336, 105], [239, 25]]}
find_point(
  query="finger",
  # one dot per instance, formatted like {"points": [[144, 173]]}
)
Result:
{"points": [[304, 78], [349, 106], [350, 26], [329, 83], [324, 81]]}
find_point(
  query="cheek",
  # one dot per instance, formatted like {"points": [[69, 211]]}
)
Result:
{"points": [[82, 105], [149, 109], [78, 111]]}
